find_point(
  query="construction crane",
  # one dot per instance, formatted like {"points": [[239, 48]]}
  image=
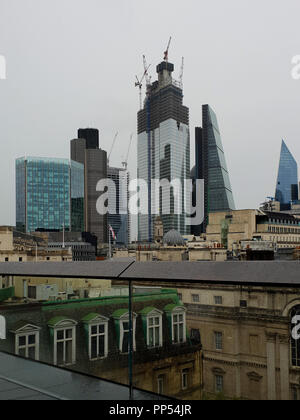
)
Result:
{"points": [[181, 73], [113, 145], [139, 83], [146, 68], [125, 163], [166, 54]]}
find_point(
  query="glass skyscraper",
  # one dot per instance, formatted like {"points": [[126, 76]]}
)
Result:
{"points": [[164, 153], [287, 180], [212, 168], [49, 195], [85, 150], [118, 217]]}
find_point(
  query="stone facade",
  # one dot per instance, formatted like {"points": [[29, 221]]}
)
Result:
{"points": [[254, 358], [20, 247], [229, 228]]}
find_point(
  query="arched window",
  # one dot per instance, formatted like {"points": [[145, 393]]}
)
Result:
{"points": [[295, 331]]}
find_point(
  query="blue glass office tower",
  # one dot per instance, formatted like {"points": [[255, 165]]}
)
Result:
{"points": [[49, 195], [287, 181]]}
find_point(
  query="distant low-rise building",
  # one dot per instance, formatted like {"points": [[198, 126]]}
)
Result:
{"points": [[81, 251], [20, 247], [230, 228]]}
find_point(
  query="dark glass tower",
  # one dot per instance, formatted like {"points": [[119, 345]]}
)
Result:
{"points": [[211, 166], [287, 180], [91, 136], [85, 150]]}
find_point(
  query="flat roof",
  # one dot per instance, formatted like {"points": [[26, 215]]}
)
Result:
{"points": [[271, 273]]}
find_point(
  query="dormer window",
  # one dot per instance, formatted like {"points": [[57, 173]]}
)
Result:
{"points": [[122, 323], [64, 341], [177, 322], [96, 327], [152, 317], [27, 341]]}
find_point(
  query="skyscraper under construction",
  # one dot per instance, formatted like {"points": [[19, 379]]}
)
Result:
{"points": [[164, 153]]}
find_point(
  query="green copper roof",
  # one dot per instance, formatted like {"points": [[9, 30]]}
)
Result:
{"points": [[119, 313], [112, 300], [56, 320], [170, 308], [90, 317], [148, 310]]}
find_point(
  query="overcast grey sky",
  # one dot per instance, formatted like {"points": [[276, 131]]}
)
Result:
{"points": [[72, 63]]}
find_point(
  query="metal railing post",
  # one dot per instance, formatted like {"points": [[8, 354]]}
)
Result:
{"points": [[131, 396]]}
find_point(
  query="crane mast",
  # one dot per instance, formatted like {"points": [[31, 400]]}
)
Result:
{"points": [[113, 145], [146, 68], [139, 82], [125, 163], [166, 54], [181, 73]]}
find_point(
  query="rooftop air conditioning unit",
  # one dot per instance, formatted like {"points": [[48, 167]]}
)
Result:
{"points": [[42, 292]]}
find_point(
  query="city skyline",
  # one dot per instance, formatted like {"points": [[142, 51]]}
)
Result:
{"points": [[66, 83], [150, 218]]}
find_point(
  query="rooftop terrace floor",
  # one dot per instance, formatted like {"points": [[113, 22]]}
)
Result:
{"points": [[28, 380]]}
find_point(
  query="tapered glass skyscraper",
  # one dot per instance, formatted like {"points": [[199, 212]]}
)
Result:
{"points": [[287, 180], [212, 168]]}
